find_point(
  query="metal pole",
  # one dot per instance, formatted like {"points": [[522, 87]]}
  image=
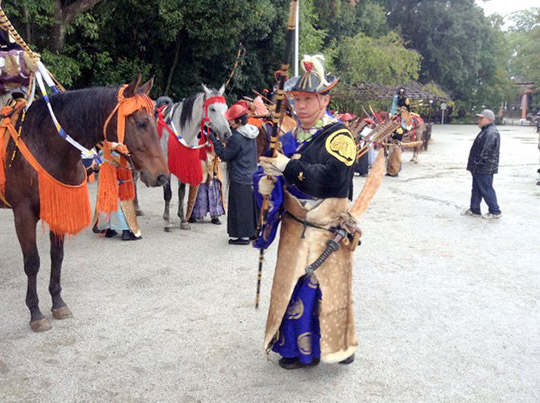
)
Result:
{"points": [[297, 40], [442, 117]]}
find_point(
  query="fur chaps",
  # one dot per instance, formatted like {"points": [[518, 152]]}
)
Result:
{"points": [[336, 311]]}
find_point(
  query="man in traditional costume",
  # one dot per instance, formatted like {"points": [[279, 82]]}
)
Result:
{"points": [[311, 316], [124, 218], [401, 106]]}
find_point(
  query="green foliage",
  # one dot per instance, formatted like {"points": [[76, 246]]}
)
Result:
{"points": [[524, 39], [385, 60], [311, 38], [183, 43]]}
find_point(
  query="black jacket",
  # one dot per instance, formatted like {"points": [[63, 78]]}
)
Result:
{"points": [[241, 154], [325, 167], [484, 155]]}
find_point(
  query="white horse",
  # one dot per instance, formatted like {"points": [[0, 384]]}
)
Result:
{"points": [[184, 120]]}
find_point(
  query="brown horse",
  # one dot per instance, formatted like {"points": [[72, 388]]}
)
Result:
{"points": [[83, 114], [265, 132]]}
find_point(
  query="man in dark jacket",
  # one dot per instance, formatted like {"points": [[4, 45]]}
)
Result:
{"points": [[241, 154], [483, 164]]}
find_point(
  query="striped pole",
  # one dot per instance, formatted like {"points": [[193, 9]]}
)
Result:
{"points": [[5, 24], [277, 116]]}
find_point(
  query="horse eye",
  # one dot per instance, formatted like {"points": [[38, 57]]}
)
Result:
{"points": [[212, 109], [141, 125]]}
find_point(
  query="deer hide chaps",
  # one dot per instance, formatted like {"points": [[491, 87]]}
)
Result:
{"points": [[336, 311]]}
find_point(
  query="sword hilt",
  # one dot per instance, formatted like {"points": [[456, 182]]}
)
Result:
{"points": [[332, 245]]}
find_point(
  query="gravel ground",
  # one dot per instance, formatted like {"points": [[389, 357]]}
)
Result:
{"points": [[446, 306]]}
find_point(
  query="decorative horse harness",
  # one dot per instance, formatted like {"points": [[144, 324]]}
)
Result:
{"points": [[168, 124]]}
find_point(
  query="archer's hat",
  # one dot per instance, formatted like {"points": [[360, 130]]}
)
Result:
{"points": [[313, 80]]}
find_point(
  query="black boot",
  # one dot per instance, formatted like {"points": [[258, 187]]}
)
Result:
{"points": [[110, 233], [239, 241], [215, 220], [295, 363], [348, 361], [127, 235]]}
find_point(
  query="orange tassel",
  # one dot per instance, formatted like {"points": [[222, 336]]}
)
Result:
{"points": [[107, 201], [126, 188], [66, 209], [2, 169]]}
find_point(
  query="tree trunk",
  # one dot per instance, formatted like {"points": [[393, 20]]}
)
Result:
{"points": [[174, 64], [27, 25], [65, 15]]}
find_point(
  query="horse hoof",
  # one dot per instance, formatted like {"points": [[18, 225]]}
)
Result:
{"points": [[167, 229], [41, 325], [185, 225], [62, 313], [139, 213]]}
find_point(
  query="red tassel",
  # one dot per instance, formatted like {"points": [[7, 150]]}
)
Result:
{"points": [[126, 189], [184, 163]]}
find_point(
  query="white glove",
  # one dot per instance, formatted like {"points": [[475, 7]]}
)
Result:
{"points": [[274, 166], [266, 185]]}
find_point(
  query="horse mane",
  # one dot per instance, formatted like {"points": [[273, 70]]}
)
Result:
{"points": [[187, 106], [187, 109], [81, 113]]}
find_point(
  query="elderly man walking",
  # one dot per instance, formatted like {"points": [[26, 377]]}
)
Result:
{"points": [[483, 164]]}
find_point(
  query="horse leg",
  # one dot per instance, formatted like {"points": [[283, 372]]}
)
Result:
{"points": [[59, 307], [25, 226], [167, 196], [415, 155], [138, 211], [181, 194]]}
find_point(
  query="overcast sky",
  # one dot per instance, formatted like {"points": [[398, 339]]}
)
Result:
{"points": [[505, 7]]}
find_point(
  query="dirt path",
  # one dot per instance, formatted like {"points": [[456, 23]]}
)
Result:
{"points": [[447, 306]]}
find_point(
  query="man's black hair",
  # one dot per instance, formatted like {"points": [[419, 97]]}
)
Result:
{"points": [[243, 119]]}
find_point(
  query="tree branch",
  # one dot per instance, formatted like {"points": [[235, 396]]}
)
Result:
{"points": [[70, 12]]}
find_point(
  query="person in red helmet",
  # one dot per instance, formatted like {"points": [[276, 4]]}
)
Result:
{"points": [[240, 152]]}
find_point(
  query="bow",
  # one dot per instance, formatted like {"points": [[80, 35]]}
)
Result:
{"points": [[277, 115]]}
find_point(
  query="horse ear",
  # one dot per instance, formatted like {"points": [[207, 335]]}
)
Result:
{"points": [[146, 87], [206, 90], [222, 89], [132, 87]]}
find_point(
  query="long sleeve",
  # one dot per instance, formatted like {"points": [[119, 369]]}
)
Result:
{"points": [[230, 151], [489, 148], [325, 170], [308, 176]]}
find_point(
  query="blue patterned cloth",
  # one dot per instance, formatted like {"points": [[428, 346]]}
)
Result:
{"points": [[275, 212], [299, 333], [208, 200]]}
